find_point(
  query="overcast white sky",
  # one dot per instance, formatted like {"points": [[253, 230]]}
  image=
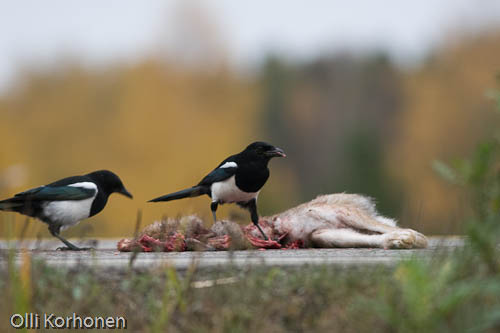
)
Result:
{"points": [[99, 32]]}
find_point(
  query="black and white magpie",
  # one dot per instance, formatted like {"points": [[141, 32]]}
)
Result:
{"points": [[66, 202], [238, 179]]}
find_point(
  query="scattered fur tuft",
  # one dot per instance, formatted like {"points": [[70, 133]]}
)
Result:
{"points": [[233, 230], [190, 226]]}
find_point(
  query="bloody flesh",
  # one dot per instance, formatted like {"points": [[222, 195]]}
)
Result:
{"points": [[176, 242]]}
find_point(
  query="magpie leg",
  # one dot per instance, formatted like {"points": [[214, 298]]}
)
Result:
{"points": [[213, 207], [69, 246], [252, 207]]}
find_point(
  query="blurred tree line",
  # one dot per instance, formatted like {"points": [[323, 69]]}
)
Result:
{"points": [[348, 123], [336, 114]]}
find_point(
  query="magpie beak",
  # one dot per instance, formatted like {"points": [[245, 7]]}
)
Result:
{"points": [[276, 152], [125, 193]]}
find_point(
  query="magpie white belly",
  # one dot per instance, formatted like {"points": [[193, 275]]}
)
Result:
{"points": [[227, 192], [67, 213]]}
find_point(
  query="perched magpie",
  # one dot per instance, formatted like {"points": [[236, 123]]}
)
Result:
{"points": [[237, 179], [66, 202]]}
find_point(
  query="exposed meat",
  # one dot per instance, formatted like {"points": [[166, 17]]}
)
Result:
{"points": [[298, 244], [128, 245], [261, 243], [224, 235], [145, 243], [220, 242]]}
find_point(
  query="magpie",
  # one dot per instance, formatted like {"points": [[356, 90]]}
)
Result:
{"points": [[64, 203], [238, 179]]}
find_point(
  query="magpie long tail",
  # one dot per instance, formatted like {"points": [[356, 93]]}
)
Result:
{"points": [[194, 191]]}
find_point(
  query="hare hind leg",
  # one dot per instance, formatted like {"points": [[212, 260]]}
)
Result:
{"points": [[399, 239], [344, 238]]}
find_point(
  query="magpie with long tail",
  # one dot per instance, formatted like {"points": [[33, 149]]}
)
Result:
{"points": [[238, 179], [66, 202]]}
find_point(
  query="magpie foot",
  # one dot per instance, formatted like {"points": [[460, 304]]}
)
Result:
{"points": [[262, 232]]}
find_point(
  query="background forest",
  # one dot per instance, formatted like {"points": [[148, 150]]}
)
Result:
{"points": [[348, 121]]}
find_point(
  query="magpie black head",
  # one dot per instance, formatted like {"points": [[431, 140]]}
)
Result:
{"points": [[263, 149], [109, 182]]}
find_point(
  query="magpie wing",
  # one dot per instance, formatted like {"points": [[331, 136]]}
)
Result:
{"points": [[57, 193], [224, 171]]}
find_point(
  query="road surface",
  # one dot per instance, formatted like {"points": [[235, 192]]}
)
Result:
{"points": [[106, 255]]}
